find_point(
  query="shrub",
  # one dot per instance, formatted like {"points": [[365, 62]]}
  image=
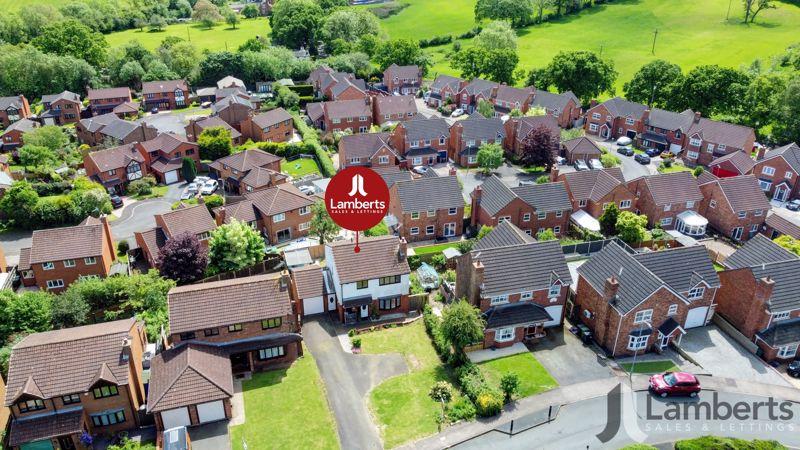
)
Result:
{"points": [[667, 163], [414, 262], [449, 275], [465, 246], [438, 261], [352, 332], [123, 247], [608, 160], [356, 342], [142, 186], [697, 171], [489, 403], [213, 201], [436, 40], [509, 384], [543, 179], [461, 409]]}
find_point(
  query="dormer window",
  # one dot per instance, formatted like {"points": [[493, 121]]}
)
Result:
{"points": [[30, 405], [696, 293], [105, 391]]}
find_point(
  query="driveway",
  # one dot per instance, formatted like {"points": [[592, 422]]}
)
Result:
{"points": [[174, 121], [568, 360], [139, 216], [211, 436], [348, 379], [721, 356], [510, 174], [630, 168]]}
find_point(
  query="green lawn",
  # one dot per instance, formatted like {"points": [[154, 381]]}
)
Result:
{"points": [[401, 404], [220, 37], [286, 409], [428, 18], [14, 5], [438, 248], [674, 168], [300, 167], [156, 192], [718, 267], [533, 377], [650, 366]]}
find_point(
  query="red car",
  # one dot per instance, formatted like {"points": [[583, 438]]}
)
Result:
{"points": [[674, 383]]}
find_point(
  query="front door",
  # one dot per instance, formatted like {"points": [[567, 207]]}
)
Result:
{"points": [[450, 229], [240, 362], [736, 234], [364, 311], [66, 443], [781, 193], [664, 341]]}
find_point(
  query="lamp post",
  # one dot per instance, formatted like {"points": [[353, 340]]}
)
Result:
{"points": [[636, 350]]}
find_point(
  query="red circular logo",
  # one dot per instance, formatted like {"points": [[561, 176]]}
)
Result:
{"points": [[357, 198]]}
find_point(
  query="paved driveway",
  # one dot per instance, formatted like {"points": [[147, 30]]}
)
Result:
{"points": [[212, 436], [630, 168], [174, 121], [568, 360], [721, 356], [139, 216], [348, 379]]}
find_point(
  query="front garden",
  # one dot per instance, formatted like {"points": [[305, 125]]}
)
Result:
{"points": [[533, 377], [648, 367]]}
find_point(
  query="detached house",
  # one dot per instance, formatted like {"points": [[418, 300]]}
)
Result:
{"points": [[468, 135], [614, 118], [195, 128], [103, 101], [642, 302], [61, 109], [13, 109], [477, 89], [58, 257], [508, 98], [99, 392], [671, 200], [171, 94], [271, 126], [427, 208], [394, 108], [531, 208], [109, 128], [443, 89], [195, 220], [732, 165], [341, 116], [709, 139], [367, 149], [665, 130], [115, 167], [422, 141], [519, 285], [234, 171], [371, 283], [402, 79], [734, 206], [581, 148], [759, 297], [337, 85], [281, 212], [592, 191], [14, 135], [777, 172], [164, 156], [517, 129], [233, 109], [565, 107]]}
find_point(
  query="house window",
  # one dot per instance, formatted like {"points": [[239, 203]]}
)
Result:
{"points": [[559, 213], [271, 353], [187, 336], [637, 342], [304, 210], [780, 316], [48, 266], [689, 205], [710, 148], [203, 236], [787, 351], [673, 309], [414, 144], [668, 207], [754, 228], [234, 328], [110, 418], [452, 211], [666, 221], [389, 303], [394, 279], [90, 260], [767, 170], [414, 231], [696, 293], [429, 229], [362, 119], [592, 127], [628, 121], [441, 140], [362, 129], [541, 215], [472, 159], [624, 204], [279, 217], [30, 405], [692, 155], [415, 215], [742, 214], [712, 204], [112, 172], [554, 290], [210, 332], [383, 159], [431, 213], [55, 284], [504, 334], [69, 263], [695, 142], [581, 203], [274, 322], [304, 226], [499, 300], [355, 160], [526, 295], [788, 175], [596, 116], [557, 229], [70, 399], [417, 160], [363, 284], [105, 391], [643, 316], [526, 217], [504, 219]]}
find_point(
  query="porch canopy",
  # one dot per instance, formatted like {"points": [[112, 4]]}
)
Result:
{"points": [[585, 220]]}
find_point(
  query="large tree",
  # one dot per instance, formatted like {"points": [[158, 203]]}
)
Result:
{"points": [[518, 12], [214, 143], [206, 13], [73, 38], [787, 123], [234, 246], [753, 7], [402, 52], [349, 25], [19, 203], [462, 325], [37, 156], [651, 85], [217, 65], [28, 312], [50, 136], [490, 157], [582, 72], [188, 169], [322, 226], [608, 220], [497, 35], [539, 148], [710, 90], [183, 259], [631, 227], [478, 62], [296, 23]]}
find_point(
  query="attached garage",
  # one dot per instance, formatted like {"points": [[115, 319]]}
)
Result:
{"points": [[315, 288], [171, 177], [178, 417], [211, 411], [312, 306], [555, 312], [696, 317]]}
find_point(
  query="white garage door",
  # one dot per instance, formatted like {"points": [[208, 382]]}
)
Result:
{"points": [[696, 317], [171, 177], [178, 417], [211, 411], [312, 306], [555, 313]]}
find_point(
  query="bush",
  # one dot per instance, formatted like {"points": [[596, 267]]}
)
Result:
{"points": [[436, 40], [465, 246], [698, 171], [356, 341], [142, 186], [123, 247], [509, 384], [471, 33], [489, 403], [414, 262], [311, 138], [438, 261], [449, 275], [213, 201], [543, 179], [461, 409], [608, 160]]}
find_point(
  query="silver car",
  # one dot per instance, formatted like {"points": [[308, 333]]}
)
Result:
{"points": [[190, 191], [595, 164], [209, 187]]}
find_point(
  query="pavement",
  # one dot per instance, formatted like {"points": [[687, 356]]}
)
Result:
{"points": [[488, 354], [348, 379], [140, 215], [568, 360]]}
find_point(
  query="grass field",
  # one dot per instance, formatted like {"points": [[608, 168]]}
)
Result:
{"points": [[299, 167], [14, 5], [217, 38], [427, 18], [533, 377]]}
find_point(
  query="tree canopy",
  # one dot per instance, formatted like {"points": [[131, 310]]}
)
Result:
{"points": [[322, 226], [183, 259], [296, 23], [234, 246], [477, 62], [517, 12], [215, 143], [462, 325], [72, 38], [490, 157], [653, 82], [402, 52], [582, 72]]}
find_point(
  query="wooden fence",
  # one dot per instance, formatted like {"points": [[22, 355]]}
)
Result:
{"points": [[272, 263]]}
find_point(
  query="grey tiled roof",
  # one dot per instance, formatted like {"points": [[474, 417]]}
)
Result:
{"points": [[619, 107], [521, 268], [789, 152], [503, 235], [271, 117], [582, 146], [675, 187], [363, 145], [478, 127], [7, 102], [395, 104], [756, 251], [515, 314], [93, 124], [378, 258], [744, 193], [477, 86], [114, 92], [554, 102], [787, 284], [427, 193], [669, 120], [527, 124], [545, 197], [783, 223], [593, 184], [782, 333], [393, 176], [495, 195], [119, 129], [446, 80], [681, 267], [64, 94], [156, 87], [734, 136], [422, 129]]}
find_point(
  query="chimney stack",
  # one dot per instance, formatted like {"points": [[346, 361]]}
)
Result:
{"points": [[402, 250], [125, 355], [284, 280], [762, 150], [452, 171], [109, 239], [478, 193], [554, 173], [610, 288], [646, 115], [219, 217], [697, 116]]}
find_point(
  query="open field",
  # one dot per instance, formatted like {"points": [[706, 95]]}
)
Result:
{"points": [[15, 5], [427, 18], [218, 38]]}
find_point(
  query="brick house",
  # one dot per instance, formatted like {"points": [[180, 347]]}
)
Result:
{"points": [[444, 89], [519, 285], [664, 130], [251, 319], [127, 110], [115, 167], [110, 129], [272, 126], [190, 385], [164, 156], [531, 208], [170, 94], [477, 89], [61, 109], [103, 101], [59, 257], [427, 208], [508, 98], [391, 176], [467, 136], [312, 290], [643, 302], [195, 220], [581, 148], [371, 283], [369, 150], [671, 200], [518, 128], [565, 107], [394, 108], [759, 297], [14, 135], [281, 212], [13, 109], [341, 116], [709, 139], [593, 190], [614, 118], [195, 128], [780, 222], [233, 109], [99, 392], [402, 79], [422, 141], [731, 165], [334, 85], [778, 172], [234, 171], [734, 206]]}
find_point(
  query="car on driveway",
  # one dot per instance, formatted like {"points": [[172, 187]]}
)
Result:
{"points": [[116, 201], [642, 159], [793, 205], [209, 187], [625, 150], [652, 152], [421, 170], [793, 369], [561, 161], [458, 112], [580, 165], [190, 191], [595, 164], [624, 140], [674, 383]]}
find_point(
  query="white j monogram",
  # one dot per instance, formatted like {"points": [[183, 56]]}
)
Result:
{"points": [[358, 186]]}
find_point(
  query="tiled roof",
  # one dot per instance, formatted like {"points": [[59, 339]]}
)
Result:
{"points": [[309, 281], [115, 92], [57, 244], [165, 142], [8, 102], [37, 360], [787, 283], [214, 121], [242, 211], [363, 145], [189, 375], [378, 258], [756, 251], [503, 235], [670, 120], [675, 187], [781, 333], [163, 165], [619, 107], [279, 199], [740, 160], [156, 87], [515, 314], [193, 220], [119, 129], [315, 111], [259, 177], [67, 95], [446, 80], [23, 125], [154, 239], [479, 86], [393, 176], [342, 109], [521, 268], [495, 195], [545, 197], [271, 117], [512, 94], [789, 152], [93, 124], [229, 81], [784, 223], [593, 184], [426, 193], [126, 108], [46, 426], [401, 72], [229, 101], [527, 124], [245, 160], [744, 193], [735, 136], [221, 303], [24, 258], [395, 104], [420, 129], [476, 127], [581, 146], [681, 268], [706, 177], [554, 102]]}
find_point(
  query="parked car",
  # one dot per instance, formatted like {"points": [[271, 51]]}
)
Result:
{"points": [[527, 182], [625, 150], [642, 159], [794, 369], [595, 164], [653, 152], [624, 140], [674, 383], [209, 187], [584, 333], [154, 110], [561, 161], [201, 180], [190, 191], [793, 205], [457, 112], [580, 165], [421, 170], [116, 201], [306, 189]]}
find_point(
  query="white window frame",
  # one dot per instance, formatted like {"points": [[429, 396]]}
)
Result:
{"points": [[767, 170], [783, 315], [499, 300], [383, 159], [638, 342], [690, 204], [786, 351], [69, 263], [712, 204], [505, 334], [279, 217], [526, 217], [415, 215], [502, 219], [592, 127], [624, 204], [452, 211], [765, 185], [596, 116], [643, 316], [696, 293], [304, 210], [414, 231], [788, 175], [304, 226], [673, 310], [431, 213], [48, 266], [554, 291], [430, 230], [666, 221], [557, 229], [55, 284], [668, 207], [692, 155], [559, 213], [526, 295], [582, 203], [694, 142], [541, 215]]}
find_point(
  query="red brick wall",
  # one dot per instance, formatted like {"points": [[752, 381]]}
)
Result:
{"points": [[159, 98], [68, 108], [234, 114], [516, 210], [741, 300], [353, 123], [723, 218], [13, 138], [292, 220], [280, 132], [781, 167], [249, 330], [654, 212], [24, 112]]}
